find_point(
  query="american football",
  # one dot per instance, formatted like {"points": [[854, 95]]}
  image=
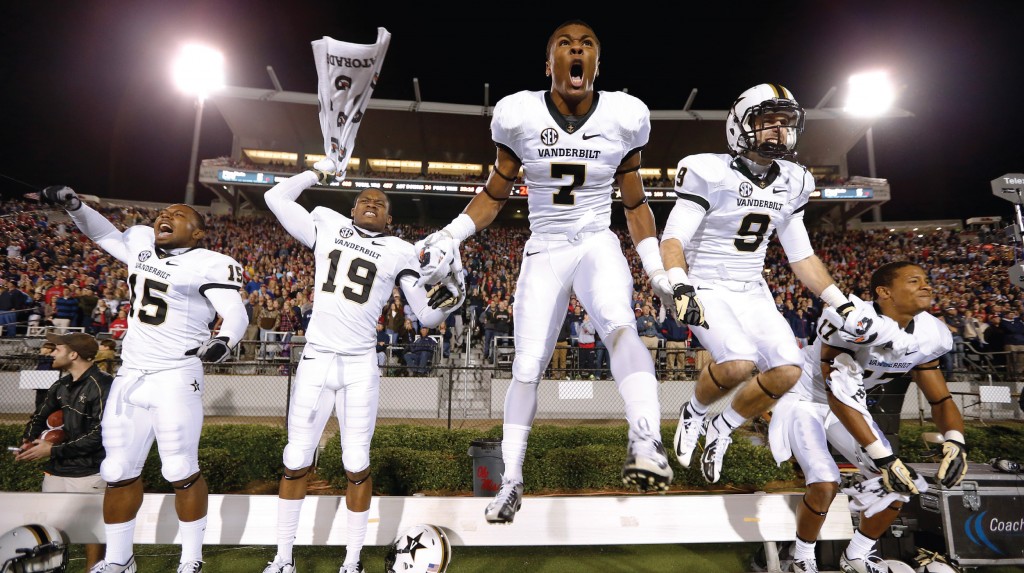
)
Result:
{"points": [[55, 420], [54, 436]]}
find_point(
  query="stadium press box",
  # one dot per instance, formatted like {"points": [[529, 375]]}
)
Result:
{"points": [[979, 522]]}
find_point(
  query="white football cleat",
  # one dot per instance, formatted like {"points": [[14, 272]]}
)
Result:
{"points": [[104, 567], [691, 425], [868, 564], [646, 466], [504, 506], [279, 566], [805, 566], [716, 444], [194, 566], [356, 567]]}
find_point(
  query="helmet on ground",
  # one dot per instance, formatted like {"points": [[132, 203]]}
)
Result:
{"points": [[420, 549], [743, 123], [33, 549]]}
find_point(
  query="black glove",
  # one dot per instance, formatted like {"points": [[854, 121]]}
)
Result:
{"points": [[61, 196], [897, 476], [689, 310], [953, 467], [213, 350]]}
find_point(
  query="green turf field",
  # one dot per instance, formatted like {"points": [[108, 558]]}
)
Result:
{"points": [[703, 558]]}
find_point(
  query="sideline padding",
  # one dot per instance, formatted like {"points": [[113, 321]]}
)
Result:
{"points": [[574, 520]]}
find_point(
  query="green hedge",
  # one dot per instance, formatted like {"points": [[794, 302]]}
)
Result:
{"points": [[409, 459]]}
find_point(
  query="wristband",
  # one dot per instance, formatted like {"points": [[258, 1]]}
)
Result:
{"points": [[650, 255], [461, 228], [955, 436], [877, 450], [833, 297], [676, 275]]}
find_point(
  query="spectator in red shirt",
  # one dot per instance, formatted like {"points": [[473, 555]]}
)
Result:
{"points": [[119, 325]]}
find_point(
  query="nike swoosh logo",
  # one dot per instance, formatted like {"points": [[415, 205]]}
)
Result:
{"points": [[587, 136], [376, 243], [703, 288], [531, 254], [307, 357], [779, 190], [172, 264], [911, 352]]}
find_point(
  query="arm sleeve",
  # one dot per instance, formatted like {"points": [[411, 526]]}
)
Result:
{"points": [[100, 230], [794, 239], [229, 305], [683, 221], [417, 297], [37, 423], [293, 217]]}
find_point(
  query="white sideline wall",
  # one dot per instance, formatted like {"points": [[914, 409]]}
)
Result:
{"points": [[574, 520], [424, 397]]}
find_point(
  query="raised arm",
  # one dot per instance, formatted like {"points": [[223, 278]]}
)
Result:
{"points": [[293, 217], [88, 220]]}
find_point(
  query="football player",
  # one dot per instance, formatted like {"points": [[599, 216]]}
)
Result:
{"points": [[357, 266], [177, 290], [828, 406], [573, 144], [727, 208]]}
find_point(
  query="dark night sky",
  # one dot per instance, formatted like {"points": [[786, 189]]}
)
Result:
{"points": [[87, 97]]}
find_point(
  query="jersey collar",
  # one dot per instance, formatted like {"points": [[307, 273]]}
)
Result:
{"points": [[367, 234], [163, 253], [773, 172], [910, 325], [569, 124]]}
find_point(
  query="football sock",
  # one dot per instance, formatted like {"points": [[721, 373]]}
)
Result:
{"points": [[287, 524], [513, 450], [633, 371], [357, 521], [192, 533], [733, 419], [802, 550], [119, 541], [521, 402], [698, 407], [860, 545]]}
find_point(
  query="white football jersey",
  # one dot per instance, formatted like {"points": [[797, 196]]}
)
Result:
{"points": [[570, 166], [168, 313], [355, 274], [880, 366], [741, 212]]}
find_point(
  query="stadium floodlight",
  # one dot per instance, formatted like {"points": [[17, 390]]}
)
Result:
{"points": [[869, 94], [198, 71]]}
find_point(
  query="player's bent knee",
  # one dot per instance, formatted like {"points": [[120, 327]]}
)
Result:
{"points": [[178, 467], [358, 478], [115, 471], [526, 369], [295, 458], [187, 483], [823, 490], [733, 372], [355, 460]]}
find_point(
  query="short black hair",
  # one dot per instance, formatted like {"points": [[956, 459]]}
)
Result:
{"points": [[551, 38], [365, 189], [886, 274], [200, 220]]}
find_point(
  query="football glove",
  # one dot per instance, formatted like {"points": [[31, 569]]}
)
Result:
{"points": [[214, 350], [436, 255], [325, 170], [953, 467], [663, 289], [688, 309], [450, 293], [896, 476], [61, 196]]}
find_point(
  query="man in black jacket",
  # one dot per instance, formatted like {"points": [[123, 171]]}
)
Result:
{"points": [[80, 395]]}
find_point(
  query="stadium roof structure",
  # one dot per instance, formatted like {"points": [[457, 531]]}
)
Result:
{"points": [[287, 121]]}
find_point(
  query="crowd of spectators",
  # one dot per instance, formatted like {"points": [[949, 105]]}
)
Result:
{"points": [[52, 274]]}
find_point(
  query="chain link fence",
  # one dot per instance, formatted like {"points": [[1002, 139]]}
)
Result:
{"points": [[468, 391]]}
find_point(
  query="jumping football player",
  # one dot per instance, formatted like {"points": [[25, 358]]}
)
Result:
{"points": [[574, 144], [357, 266], [827, 407], [177, 290], [727, 208]]}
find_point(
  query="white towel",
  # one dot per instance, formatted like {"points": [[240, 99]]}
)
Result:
{"points": [[870, 497], [347, 74]]}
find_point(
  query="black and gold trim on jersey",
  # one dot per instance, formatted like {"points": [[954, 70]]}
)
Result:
{"points": [[406, 273], [773, 173], [208, 286], [569, 125], [695, 198]]}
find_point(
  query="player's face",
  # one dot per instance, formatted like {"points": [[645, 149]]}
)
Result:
{"points": [[573, 59], [372, 211], [768, 125], [910, 291], [176, 227]]}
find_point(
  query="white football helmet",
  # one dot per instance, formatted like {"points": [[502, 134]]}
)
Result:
{"points": [[420, 549], [762, 99], [32, 549]]}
